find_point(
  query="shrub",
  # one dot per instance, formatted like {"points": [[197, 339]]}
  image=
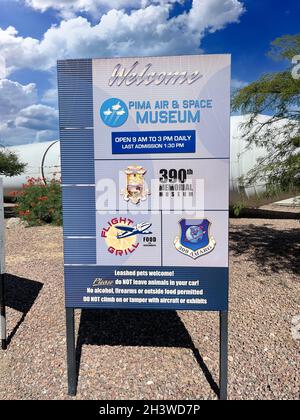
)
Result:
{"points": [[10, 164], [39, 203]]}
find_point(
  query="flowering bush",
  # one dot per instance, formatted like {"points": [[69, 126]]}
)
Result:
{"points": [[40, 203]]}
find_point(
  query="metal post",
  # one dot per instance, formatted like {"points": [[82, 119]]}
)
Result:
{"points": [[2, 314], [223, 354], [71, 352]]}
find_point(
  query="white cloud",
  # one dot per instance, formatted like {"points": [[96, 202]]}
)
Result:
{"points": [[123, 28], [50, 96], [17, 51], [20, 135], [14, 97], [238, 84], [68, 8], [145, 31], [214, 14], [46, 135], [37, 117], [22, 120], [2, 68]]}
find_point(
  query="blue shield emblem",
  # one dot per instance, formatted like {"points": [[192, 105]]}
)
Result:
{"points": [[194, 239], [194, 233]]}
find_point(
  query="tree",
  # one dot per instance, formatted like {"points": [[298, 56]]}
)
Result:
{"points": [[277, 94], [10, 164]]}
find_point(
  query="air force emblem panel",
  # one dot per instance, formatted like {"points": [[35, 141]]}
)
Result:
{"points": [[194, 239]]}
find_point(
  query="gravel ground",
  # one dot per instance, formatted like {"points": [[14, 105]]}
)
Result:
{"points": [[156, 355]]}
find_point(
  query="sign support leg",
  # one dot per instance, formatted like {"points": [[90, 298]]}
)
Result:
{"points": [[71, 353], [2, 314], [223, 354]]}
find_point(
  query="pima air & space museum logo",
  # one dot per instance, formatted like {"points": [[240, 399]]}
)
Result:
{"points": [[121, 235], [194, 239], [114, 112]]}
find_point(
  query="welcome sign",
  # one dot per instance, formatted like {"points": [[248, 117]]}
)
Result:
{"points": [[145, 174]]}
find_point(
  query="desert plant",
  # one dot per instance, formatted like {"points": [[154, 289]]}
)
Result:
{"points": [[39, 203]]}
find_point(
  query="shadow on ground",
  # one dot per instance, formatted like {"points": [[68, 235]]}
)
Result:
{"points": [[258, 213], [20, 295], [272, 249], [137, 328]]}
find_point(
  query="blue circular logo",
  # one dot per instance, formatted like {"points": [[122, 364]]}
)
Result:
{"points": [[114, 112], [194, 234]]}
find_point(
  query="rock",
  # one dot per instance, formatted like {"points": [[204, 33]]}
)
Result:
{"points": [[16, 222], [150, 382]]}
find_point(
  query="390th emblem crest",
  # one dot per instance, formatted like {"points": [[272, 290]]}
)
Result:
{"points": [[135, 190]]}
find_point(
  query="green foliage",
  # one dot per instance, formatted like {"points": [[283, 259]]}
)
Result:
{"points": [[237, 208], [285, 47], [10, 164], [40, 203], [277, 94]]}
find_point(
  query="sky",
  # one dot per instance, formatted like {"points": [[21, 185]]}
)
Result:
{"points": [[35, 33]]}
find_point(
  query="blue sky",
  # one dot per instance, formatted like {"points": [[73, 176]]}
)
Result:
{"points": [[34, 33], [248, 41]]}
